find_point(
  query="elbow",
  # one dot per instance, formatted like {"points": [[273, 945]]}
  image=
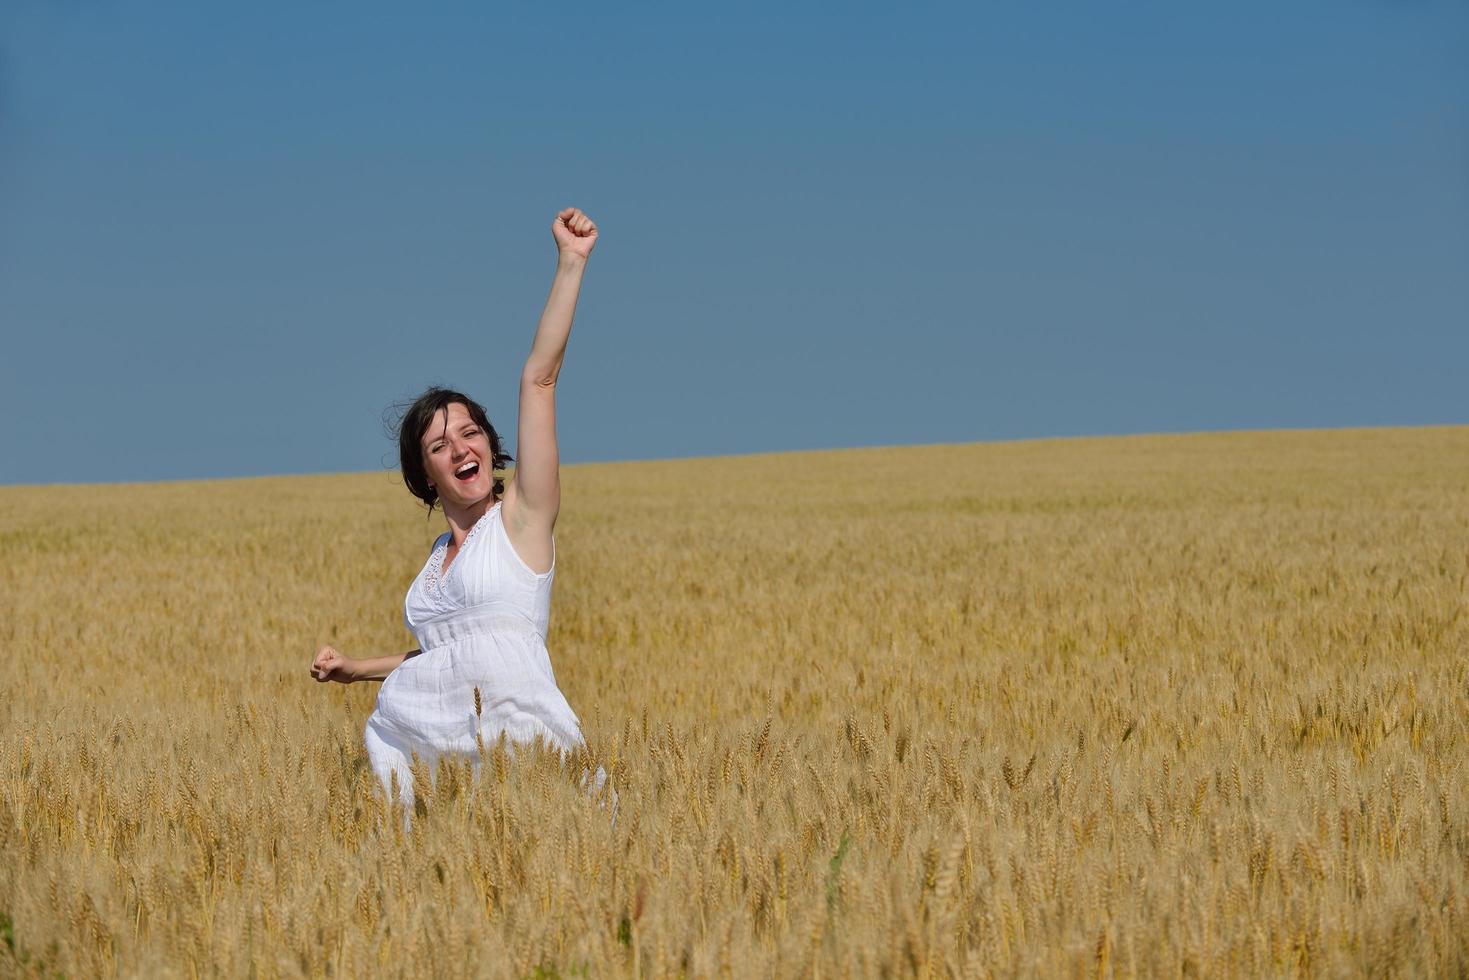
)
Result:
{"points": [[539, 376]]}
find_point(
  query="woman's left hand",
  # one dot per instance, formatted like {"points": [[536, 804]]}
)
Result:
{"points": [[575, 233]]}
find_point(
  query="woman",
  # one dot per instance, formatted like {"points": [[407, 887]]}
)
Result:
{"points": [[480, 607]]}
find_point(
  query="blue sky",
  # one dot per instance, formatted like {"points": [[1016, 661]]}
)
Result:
{"points": [[232, 235]]}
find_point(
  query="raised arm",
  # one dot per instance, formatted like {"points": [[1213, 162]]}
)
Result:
{"points": [[534, 496]]}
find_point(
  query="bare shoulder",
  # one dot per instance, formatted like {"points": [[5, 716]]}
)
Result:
{"points": [[528, 531]]}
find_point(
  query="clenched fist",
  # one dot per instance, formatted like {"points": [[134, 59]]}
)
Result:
{"points": [[574, 232], [330, 665]]}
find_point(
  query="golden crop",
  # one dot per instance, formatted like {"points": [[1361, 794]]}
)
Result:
{"points": [[1166, 706]]}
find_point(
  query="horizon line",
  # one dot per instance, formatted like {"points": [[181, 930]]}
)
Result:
{"points": [[776, 452]]}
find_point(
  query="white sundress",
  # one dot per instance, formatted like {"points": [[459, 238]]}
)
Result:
{"points": [[482, 624]]}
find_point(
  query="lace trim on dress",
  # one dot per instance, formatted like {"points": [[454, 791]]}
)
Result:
{"points": [[436, 560]]}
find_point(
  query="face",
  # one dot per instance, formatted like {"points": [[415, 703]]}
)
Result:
{"points": [[456, 457]]}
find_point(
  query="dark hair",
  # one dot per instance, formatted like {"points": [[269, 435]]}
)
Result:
{"points": [[414, 422]]}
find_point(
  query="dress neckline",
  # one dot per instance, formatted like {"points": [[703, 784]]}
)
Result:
{"points": [[436, 561]]}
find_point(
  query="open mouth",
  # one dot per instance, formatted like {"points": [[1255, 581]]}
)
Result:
{"points": [[467, 472]]}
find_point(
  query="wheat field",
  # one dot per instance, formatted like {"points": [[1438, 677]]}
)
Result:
{"points": [[1190, 705]]}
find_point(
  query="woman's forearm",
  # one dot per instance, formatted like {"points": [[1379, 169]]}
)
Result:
{"points": [[549, 347], [378, 668]]}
